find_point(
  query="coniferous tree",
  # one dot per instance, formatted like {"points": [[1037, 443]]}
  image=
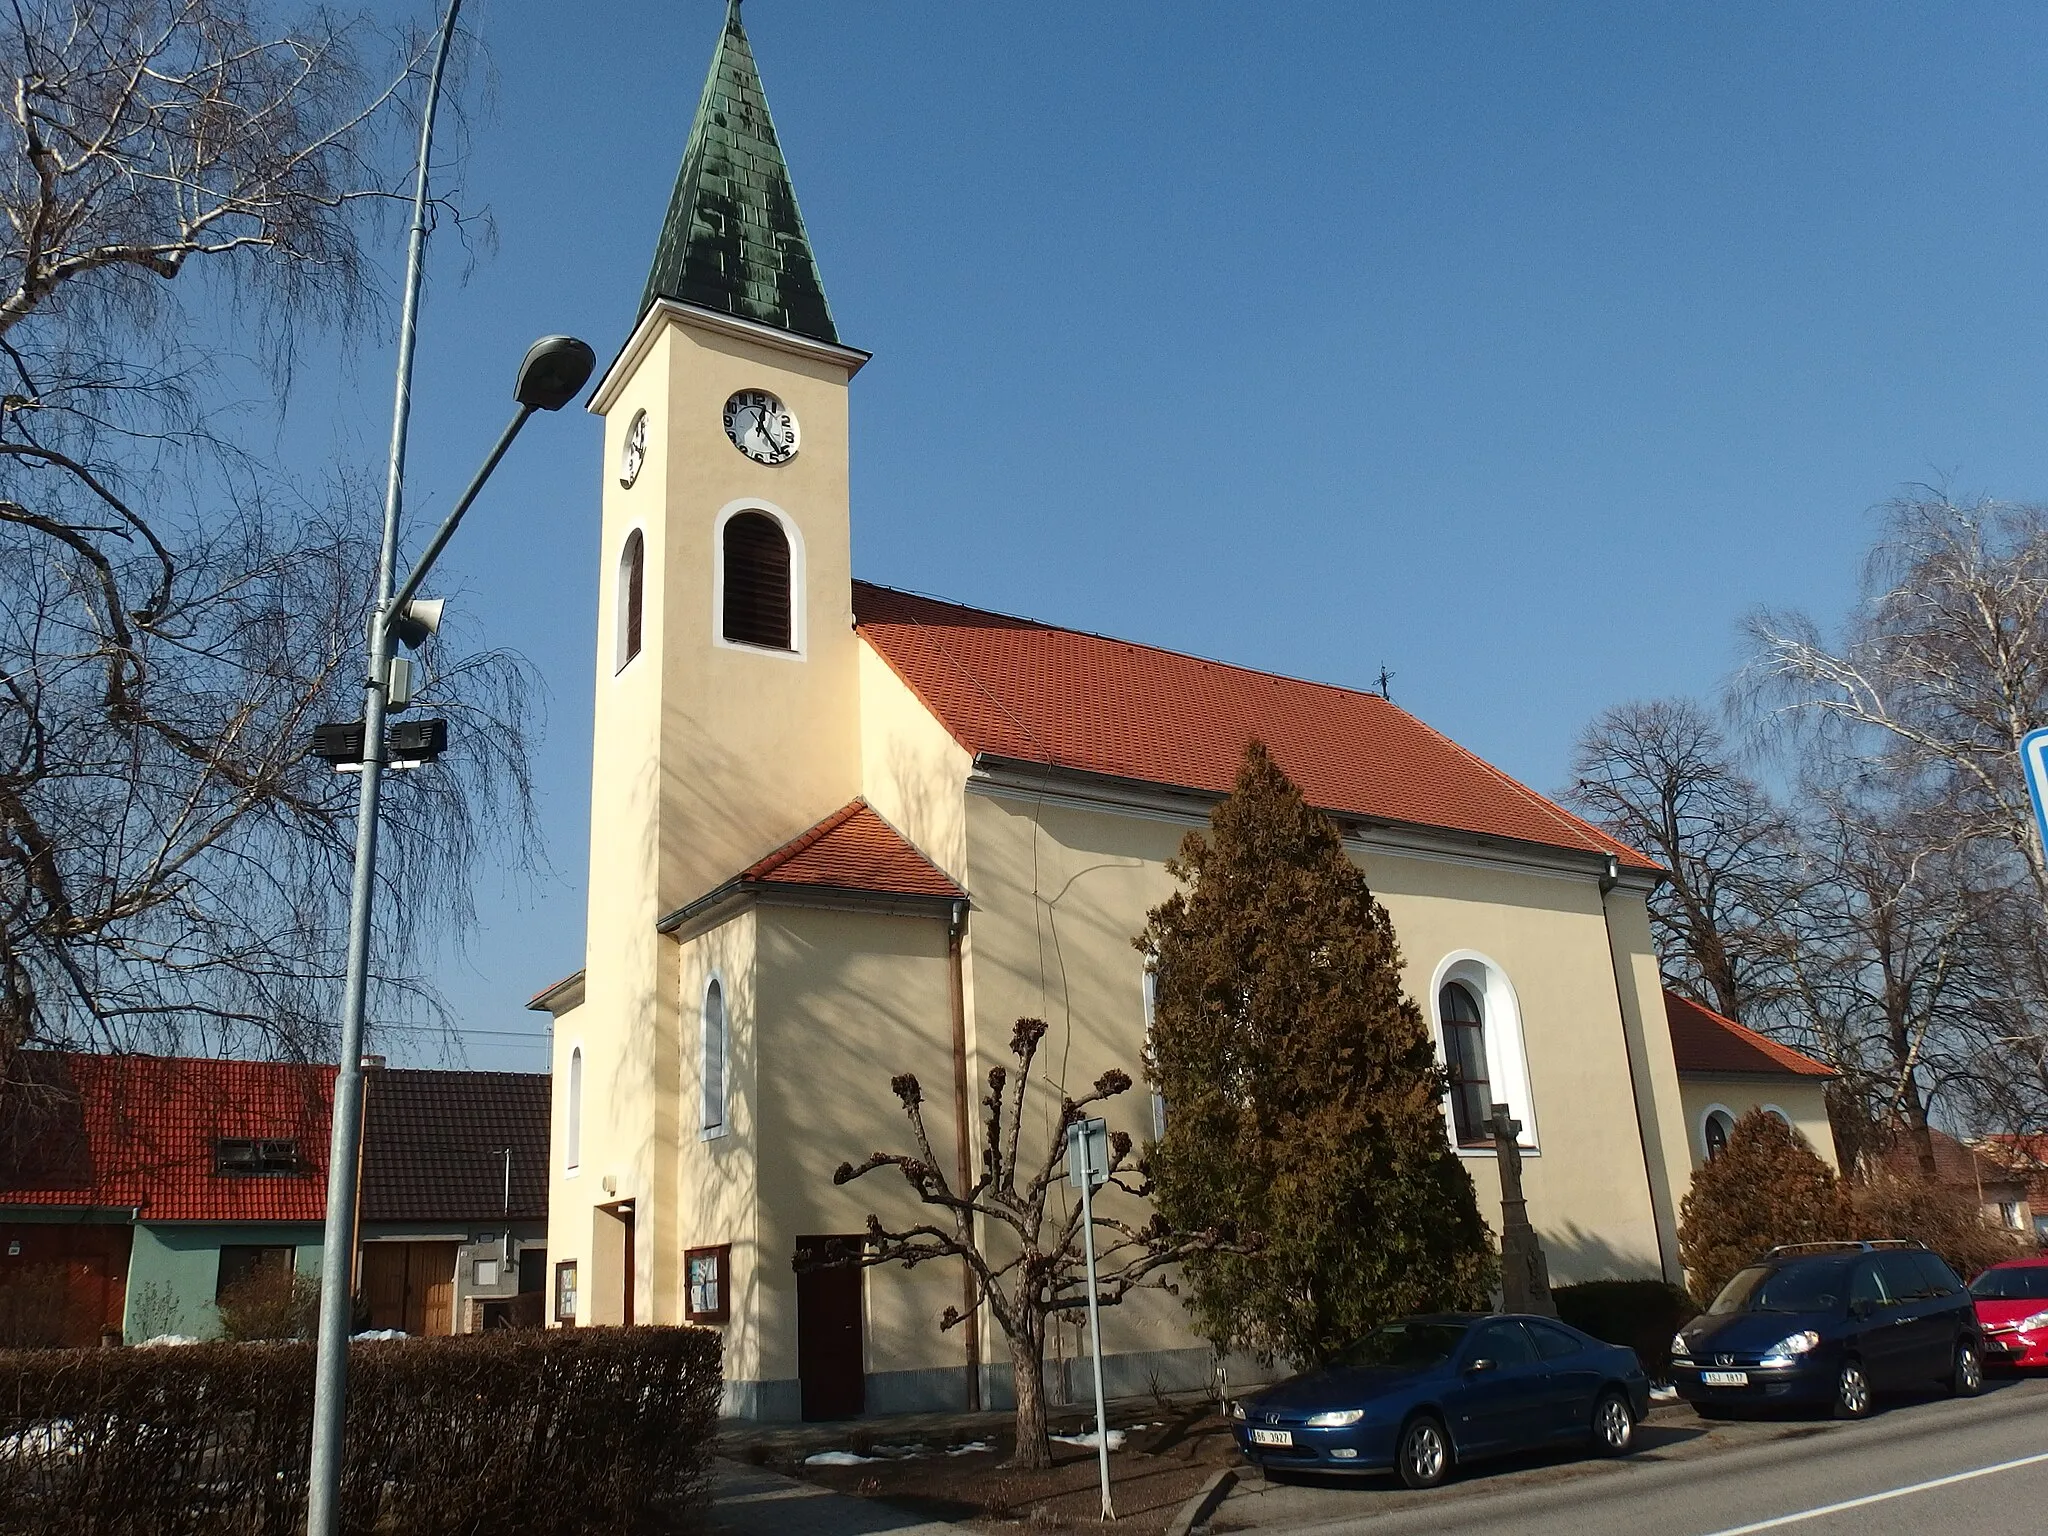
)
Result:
{"points": [[1304, 1098], [1768, 1186]]}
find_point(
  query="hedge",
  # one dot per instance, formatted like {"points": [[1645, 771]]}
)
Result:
{"points": [[567, 1431], [1642, 1314]]}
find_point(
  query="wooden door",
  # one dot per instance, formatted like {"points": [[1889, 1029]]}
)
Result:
{"points": [[410, 1286], [61, 1284], [830, 1351]]}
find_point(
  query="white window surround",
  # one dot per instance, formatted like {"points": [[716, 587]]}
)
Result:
{"points": [[1150, 985], [714, 1095], [572, 1136], [620, 660], [1706, 1119], [799, 618], [1507, 1062]]}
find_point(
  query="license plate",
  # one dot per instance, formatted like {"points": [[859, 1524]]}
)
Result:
{"points": [[1272, 1437], [1724, 1378]]}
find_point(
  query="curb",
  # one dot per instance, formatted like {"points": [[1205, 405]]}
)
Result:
{"points": [[1198, 1509]]}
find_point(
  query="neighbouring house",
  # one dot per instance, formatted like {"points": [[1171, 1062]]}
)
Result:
{"points": [[2027, 1158], [1726, 1070], [840, 832], [1999, 1188], [137, 1191]]}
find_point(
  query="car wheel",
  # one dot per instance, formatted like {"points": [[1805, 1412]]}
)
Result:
{"points": [[1852, 1391], [1614, 1425], [1425, 1458], [1967, 1380]]}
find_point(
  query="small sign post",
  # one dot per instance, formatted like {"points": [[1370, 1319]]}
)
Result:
{"points": [[1088, 1166], [2034, 767]]}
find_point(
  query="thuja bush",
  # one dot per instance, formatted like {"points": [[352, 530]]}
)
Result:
{"points": [[589, 1430], [1767, 1187], [1643, 1314]]}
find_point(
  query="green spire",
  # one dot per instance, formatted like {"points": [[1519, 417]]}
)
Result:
{"points": [[733, 240]]}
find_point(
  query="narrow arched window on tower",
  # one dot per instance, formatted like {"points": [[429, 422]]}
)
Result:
{"points": [[1465, 1054], [631, 596], [712, 1119], [757, 597], [572, 1150]]}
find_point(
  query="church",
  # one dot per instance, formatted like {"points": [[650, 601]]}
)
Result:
{"points": [[840, 832]]}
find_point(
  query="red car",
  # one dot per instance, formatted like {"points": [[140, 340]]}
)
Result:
{"points": [[2012, 1309]]}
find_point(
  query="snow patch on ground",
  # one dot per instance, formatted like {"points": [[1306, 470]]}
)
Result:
{"points": [[1116, 1439], [372, 1335], [969, 1449], [167, 1339], [42, 1440], [838, 1459], [1663, 1394]]}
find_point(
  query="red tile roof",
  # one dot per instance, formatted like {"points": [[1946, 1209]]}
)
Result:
{"points": [[139, 1131], [853, 849], [1020, 689], [1704, 1041], [1954, 1165]]}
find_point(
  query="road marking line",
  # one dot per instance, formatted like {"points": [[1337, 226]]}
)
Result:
{"points": [[1879, 1498]]}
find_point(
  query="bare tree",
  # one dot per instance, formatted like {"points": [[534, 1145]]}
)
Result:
{"points": [[175, 611], [1032, 1270], [1659, 775]]}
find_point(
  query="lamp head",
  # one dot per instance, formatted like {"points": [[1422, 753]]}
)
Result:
{"points": [[553, 372]]}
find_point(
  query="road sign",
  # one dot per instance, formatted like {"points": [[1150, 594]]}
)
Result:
{"points": [[2034, 764], [1088, 1147]]}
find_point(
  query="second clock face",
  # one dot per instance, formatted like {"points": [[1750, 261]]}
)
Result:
{"points": [[761, 427]]}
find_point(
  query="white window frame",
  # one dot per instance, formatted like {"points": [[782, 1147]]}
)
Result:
{"points": [[620, 660], [706, 1130], [1507, 1058], [799, 620], [572, 1137], [1706, 1118], [1782, 1118], [1149, 985]]}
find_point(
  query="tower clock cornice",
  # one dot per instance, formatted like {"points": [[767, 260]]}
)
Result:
{"points": [[668, 311]]}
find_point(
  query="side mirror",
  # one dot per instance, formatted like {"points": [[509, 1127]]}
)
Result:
{"points": [[1482, 1364]]}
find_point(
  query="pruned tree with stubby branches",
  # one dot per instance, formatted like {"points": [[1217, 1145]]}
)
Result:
{"points": [[1022, 1247]]}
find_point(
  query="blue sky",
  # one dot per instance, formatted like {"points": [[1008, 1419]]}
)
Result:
{"points": [[1519, 348]]}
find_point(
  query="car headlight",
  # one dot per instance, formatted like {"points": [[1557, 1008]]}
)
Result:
{"points": [[1336, 1419], [2029, 1324], [1680, 1350], [1786, 1350], [1236, 1409]]}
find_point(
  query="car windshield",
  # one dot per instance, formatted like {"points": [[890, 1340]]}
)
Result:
{"points": [[2025, 1282], [1811, 1287], [1405, 1344]]}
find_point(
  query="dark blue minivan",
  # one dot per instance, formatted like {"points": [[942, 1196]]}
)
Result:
{"points": [[1830, 1325]]}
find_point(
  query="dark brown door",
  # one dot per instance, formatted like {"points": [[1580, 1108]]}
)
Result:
{"points": [[626, 1269], [829, 1354], [410, 1286], [61, 1284]]}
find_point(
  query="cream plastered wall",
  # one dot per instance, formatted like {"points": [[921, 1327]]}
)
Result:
{"points": [[912, 771], [1639, 989], [693, 776], [846, 1001], [1060, 891], [1802, 1100], [718, 1175]]}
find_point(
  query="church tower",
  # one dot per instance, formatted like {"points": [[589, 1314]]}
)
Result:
{"points": [[727, 681]]}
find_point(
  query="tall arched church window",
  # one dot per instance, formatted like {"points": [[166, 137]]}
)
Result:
{"points": [[712, 1122], [757, 571], [631, 596], [1465, 1053], [572, 1136], [1151, 1013], [1715, 1133]]}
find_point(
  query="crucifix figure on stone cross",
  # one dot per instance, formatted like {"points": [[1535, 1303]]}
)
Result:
{"points": [[1524, 1276]]}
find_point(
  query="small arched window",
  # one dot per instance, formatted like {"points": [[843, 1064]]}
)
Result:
{"points": [[757, 570], [712, 1120], [1465, 1053], [1151, 1014], [572, 1139], [631, 596], [1715, 1133]]}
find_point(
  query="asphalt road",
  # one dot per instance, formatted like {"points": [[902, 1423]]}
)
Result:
{"points": [[1978, 1466]]}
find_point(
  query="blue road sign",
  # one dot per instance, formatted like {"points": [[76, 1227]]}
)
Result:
{"points": [[2034, 764]]}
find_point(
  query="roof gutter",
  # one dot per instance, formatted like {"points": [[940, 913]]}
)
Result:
{"points": [[736, 893]]}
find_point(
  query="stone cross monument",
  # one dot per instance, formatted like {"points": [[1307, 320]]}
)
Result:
{"points": [[1524, 1276]]}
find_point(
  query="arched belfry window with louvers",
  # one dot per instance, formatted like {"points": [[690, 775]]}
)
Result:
{"points": [[757, 582], [632, 597]]}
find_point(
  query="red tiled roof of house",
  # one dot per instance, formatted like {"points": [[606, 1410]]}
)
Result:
{"points": [[140, 1131], [1705, 1041], [1954, 1164], [434, 1145], [853, 849], [1020, 689]]}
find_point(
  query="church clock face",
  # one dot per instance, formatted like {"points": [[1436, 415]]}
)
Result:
{"points": [[633, 452], [761, 427]]}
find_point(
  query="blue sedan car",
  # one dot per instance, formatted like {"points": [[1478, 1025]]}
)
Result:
{"points": [[1422, 1395]]}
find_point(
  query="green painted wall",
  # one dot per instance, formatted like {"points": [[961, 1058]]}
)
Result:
{"points": [[175, 1267]]}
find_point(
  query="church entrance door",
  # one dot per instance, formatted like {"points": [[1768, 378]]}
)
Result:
{"points": [[831, 1366]]}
